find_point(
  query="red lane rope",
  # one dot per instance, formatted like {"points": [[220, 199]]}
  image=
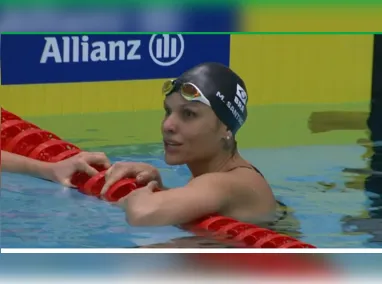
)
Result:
{"points": [[24, 138]]}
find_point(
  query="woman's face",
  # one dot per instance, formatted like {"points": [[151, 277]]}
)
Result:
{"points": [[191, 131]]}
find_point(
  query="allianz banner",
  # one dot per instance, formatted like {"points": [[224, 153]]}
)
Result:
{"points": [[53, 58]]}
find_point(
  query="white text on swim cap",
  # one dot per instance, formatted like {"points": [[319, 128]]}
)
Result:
{"points": [[235, 113], [241, 94], [232, 108], [239, 103], [220, 96], [78, 49]]}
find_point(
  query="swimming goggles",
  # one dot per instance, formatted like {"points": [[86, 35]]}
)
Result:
{"points": [[188, 90]]}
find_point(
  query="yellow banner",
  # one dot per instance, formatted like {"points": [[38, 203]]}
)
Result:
{"points": [[278, 69]]}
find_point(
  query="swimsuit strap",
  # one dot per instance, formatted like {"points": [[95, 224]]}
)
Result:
{"points": [[247, 167]]}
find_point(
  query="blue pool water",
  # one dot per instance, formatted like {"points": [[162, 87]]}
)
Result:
{"points": [[329, 208]]}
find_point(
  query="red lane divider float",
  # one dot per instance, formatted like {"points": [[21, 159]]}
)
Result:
{"points": [[49, 149], [10, 128], [24, 138], [6, 115], [269, 265]]}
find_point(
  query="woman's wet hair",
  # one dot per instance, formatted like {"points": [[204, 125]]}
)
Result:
{"points": [[234, 148]]}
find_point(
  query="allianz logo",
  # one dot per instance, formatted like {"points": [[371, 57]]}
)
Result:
{"points": [[164, 50]]}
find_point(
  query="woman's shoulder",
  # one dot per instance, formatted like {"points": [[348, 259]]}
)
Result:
{"points": [[251, 182], [251, 197], [237, 177], [238, 181]]}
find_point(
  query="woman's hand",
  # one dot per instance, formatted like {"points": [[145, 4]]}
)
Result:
{"points": [[62, 171], [139, 211], [142, 172]]}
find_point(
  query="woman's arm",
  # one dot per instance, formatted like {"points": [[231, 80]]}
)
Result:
{"points": [[207, 194], [19, 164], [60, 172]]}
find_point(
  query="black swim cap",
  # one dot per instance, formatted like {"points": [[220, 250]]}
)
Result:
{"points": [[223, 88]]}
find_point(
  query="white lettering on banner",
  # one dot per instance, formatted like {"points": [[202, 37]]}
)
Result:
{"points": [[51, 49], [76, 49], [132, 54], [164, 47]]}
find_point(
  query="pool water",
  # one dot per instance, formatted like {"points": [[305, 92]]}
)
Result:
{"points": [[38, 213], [333, 201], [324, 206]]}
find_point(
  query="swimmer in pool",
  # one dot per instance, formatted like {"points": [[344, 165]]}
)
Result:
{"points": [[59, 172], [204, 109]]}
